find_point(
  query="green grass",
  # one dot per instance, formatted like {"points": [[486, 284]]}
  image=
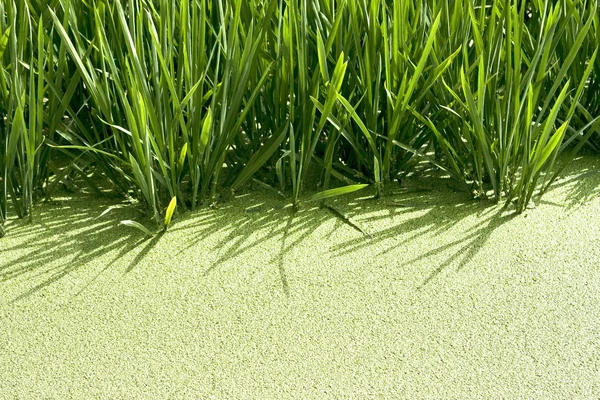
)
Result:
{"points": [[449, 298], [193, 99]]}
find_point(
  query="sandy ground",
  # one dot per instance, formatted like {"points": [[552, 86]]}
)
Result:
{"points": [[447, 298]]}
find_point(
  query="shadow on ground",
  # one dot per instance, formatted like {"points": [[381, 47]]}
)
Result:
{"points": [[72, 232], [66, 235]]}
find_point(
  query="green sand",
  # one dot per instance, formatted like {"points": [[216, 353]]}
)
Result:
{"points": [[450, 298]]}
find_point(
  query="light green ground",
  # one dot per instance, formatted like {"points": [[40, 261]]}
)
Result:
{"points": [[449, 299]]}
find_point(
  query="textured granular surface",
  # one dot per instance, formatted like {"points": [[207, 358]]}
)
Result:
{"points": [[444, 297]]}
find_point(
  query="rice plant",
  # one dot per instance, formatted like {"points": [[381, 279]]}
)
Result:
{"points": [[507, 95], [173, 84], [22, 109], [181, 103]]}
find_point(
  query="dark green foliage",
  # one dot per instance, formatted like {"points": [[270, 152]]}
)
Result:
{"points": [[190, 99]]}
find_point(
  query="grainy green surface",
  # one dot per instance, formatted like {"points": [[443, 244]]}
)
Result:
{"points": [[448, 299]]}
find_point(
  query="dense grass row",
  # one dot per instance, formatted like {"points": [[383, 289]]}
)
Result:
{"points": [[190, 99]]}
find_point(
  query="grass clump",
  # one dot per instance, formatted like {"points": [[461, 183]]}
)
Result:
{"points": [[190, 100]]}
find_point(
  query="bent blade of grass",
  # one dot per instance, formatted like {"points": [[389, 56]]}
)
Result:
{"points": [[138, 226], [336, 192]]}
